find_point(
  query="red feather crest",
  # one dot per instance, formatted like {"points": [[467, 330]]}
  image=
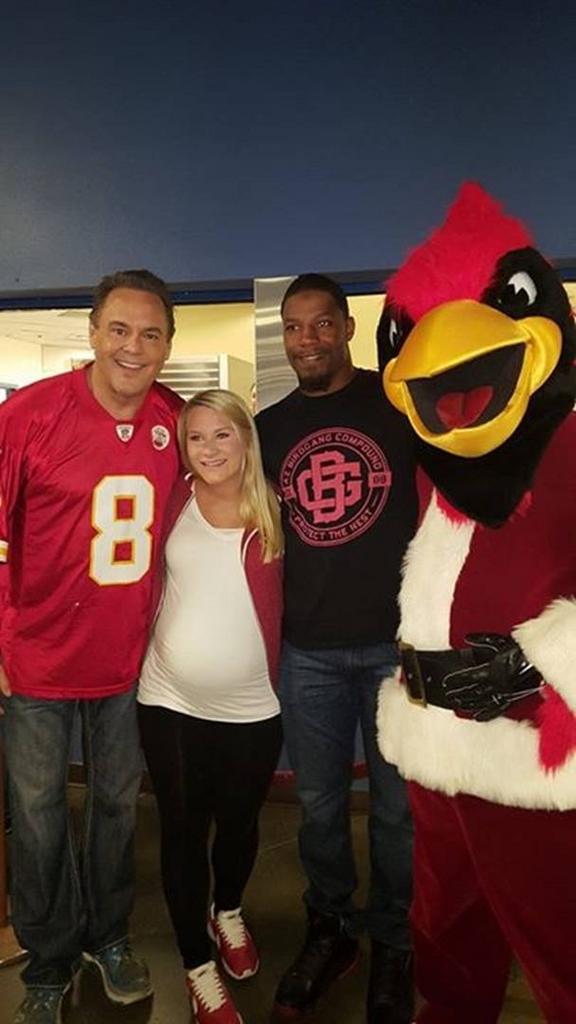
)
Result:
{"points": [[458, 260]]}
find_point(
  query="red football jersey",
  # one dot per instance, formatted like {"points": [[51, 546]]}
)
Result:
{"points": [[82, 497]]}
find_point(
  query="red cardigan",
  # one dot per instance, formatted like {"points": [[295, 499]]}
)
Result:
{"points": [[264, 578]]}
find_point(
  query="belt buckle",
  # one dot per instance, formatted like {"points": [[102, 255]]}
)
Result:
{"points": [[412, 675]]}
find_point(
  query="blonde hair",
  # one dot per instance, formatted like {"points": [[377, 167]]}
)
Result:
{"points": [[259, 506]]}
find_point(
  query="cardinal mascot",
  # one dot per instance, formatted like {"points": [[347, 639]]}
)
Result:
{"points": [[477, 344]]}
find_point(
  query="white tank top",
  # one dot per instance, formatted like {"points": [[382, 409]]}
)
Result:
{"points": [[207, 656]]}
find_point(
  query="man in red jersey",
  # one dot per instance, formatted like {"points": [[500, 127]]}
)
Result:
{"points": [[88, 459]]}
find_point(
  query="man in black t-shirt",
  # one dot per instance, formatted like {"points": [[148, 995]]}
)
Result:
{"points": [[342, 459]]}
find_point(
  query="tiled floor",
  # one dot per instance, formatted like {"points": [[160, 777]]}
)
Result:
{"points": [[273, 906]]}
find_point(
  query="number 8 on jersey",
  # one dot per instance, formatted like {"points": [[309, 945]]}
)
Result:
{"points": [[122, 513]]}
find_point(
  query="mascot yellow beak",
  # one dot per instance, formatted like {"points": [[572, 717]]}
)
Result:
{"points": [[465, 374]]}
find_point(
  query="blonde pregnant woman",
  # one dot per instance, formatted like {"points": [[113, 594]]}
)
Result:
{"points": [[209, 715]]}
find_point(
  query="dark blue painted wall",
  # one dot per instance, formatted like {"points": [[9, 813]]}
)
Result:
{"points": [[217, 140]]}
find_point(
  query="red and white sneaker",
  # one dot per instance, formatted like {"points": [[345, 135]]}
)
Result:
{"points": [[236, 946], [211, 1002]]}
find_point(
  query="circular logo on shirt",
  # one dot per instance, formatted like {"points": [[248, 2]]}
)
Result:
{"points": [[160, 437], [335, 483]]}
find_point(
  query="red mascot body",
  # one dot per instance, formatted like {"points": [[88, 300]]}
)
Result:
{"points": [[477, 342]]}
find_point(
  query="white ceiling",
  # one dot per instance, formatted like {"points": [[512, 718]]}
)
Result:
{"points": [[66, 328]]}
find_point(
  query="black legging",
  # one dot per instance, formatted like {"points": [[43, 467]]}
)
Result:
{"points": [[206, 771]]}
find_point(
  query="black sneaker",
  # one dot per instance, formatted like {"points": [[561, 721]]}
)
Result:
{"points": [[327, 954], [124, 975], [42, 1005], [390, 986]]}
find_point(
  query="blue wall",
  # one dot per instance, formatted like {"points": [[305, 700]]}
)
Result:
{"points": [[216, 140]]}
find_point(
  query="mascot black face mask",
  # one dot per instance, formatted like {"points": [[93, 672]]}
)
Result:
{"points": [[477, 344]]}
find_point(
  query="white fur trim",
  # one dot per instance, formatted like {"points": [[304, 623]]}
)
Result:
{"points": [[432, 565], [495, 760], [549, 642]]}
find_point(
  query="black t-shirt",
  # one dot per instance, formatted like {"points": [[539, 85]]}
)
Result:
{"points": [[344, 465]]}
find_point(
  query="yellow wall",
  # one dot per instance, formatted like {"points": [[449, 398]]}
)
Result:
{"points": [[201, 330], [58, 359], [571, 289], [20, 362], [366, 310], [230, 328]]}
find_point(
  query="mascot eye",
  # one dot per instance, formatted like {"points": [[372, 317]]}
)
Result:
{"points": [[521, 282], [394, 326], [394, 334]]}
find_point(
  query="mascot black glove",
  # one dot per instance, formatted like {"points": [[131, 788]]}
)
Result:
{"points": [[502, 676], [482, 680]]}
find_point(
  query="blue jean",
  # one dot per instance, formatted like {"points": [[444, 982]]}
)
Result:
{"points": [[66, 900], [324, 695]]}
